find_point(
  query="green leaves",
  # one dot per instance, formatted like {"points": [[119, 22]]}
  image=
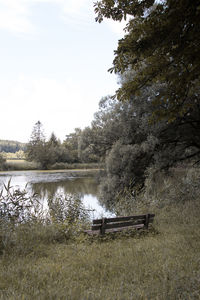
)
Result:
{"points": [[162, 45], [120, 9]]}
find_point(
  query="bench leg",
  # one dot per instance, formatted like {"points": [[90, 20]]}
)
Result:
{"points": [[103, 226], [146, 224]]}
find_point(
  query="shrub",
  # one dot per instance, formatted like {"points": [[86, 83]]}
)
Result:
{"points": [[25, 226], [62, 165], [2, 162], [161, 189]]}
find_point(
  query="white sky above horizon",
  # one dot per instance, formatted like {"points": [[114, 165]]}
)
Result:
{"points": [[54, 61]]}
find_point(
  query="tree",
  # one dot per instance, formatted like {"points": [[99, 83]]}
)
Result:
{"points": [[2, 162], [11, 146], [131, 145], [37, 134], [56, 152], [53, 141], [72, 146], [108, 126], [37, 149], [162, 45]]}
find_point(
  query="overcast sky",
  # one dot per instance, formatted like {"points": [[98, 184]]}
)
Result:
{"points": [[54, 59]]}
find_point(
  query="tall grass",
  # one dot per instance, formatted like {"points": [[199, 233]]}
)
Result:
{"points": [[21, 164], [162, 263], [26, 225], [68, 166]]}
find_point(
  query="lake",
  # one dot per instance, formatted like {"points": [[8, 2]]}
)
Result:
{"points": [[48, 184]]}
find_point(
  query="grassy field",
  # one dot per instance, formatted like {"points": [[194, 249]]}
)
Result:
{"points": [[162, 263], [20, 164], [23, 165]]}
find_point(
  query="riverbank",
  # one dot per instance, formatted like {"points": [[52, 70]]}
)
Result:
{"points": [[24, 165], [56, 260], [68, 173], [163, 263]]}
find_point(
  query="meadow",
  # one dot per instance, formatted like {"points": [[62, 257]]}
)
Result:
{"points": [[42, 261], [24, 165], [20, 164]]}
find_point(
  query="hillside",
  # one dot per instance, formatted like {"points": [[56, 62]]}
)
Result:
{"points": [[11, 146]]}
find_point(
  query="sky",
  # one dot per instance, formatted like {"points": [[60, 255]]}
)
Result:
{"points": [[54, 59]]}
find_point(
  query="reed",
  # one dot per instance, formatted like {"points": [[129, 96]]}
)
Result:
{"points": [[162, 263]]}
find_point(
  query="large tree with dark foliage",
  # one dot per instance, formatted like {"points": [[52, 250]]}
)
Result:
{"points": [[131, 145], [162, 44]]}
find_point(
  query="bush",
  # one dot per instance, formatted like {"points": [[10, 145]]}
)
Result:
{"points": [[68, 166], [20, 164], [2, 162], [25, 227], [178, 186]]}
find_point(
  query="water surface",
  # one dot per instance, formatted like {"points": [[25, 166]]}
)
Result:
{"points": [[49, 184]]}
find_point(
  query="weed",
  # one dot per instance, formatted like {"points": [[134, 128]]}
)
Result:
{"points": [[162, 263]]}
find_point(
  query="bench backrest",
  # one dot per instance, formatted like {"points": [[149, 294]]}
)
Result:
{"points": [[121, 222]]}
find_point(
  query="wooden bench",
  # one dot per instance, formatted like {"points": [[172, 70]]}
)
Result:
{"points": [[101, 226]]}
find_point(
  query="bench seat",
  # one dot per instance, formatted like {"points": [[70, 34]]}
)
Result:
{"points": [[105, 225]]}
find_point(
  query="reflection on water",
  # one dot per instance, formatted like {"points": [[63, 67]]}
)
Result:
{"points": [[49, 184], [80, 186]]}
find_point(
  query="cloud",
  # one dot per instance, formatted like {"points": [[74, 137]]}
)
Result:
{"points": [[61, 105], [15, 15]]}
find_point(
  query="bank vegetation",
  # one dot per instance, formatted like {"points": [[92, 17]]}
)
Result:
{"points": [[49, 256], [147, 136]]}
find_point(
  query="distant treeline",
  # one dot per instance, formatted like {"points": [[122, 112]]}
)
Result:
{"points": [[11, 146]]}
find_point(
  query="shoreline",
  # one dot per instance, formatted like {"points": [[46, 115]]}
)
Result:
{"points": [[70, 171]]}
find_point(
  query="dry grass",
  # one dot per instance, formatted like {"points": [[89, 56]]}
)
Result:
{"points": [[20, 164], [163, 263]]}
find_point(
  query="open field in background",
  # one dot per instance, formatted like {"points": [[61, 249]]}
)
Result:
{"points": [[163, 263], [21, 164]]}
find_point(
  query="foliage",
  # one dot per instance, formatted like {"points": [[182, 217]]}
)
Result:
{"points": [[2, 162], [67, 209], [52, 152], [162, 189], [131, 144], [36, 148], [17, 155], [162, 264], [16, 206], [20, 164], [42, 152], [178, 185], [11, 146], [158, 64], [72, 146], [68, 215], [161, 45], [77, 166], [125, 169], [25, 224]]}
